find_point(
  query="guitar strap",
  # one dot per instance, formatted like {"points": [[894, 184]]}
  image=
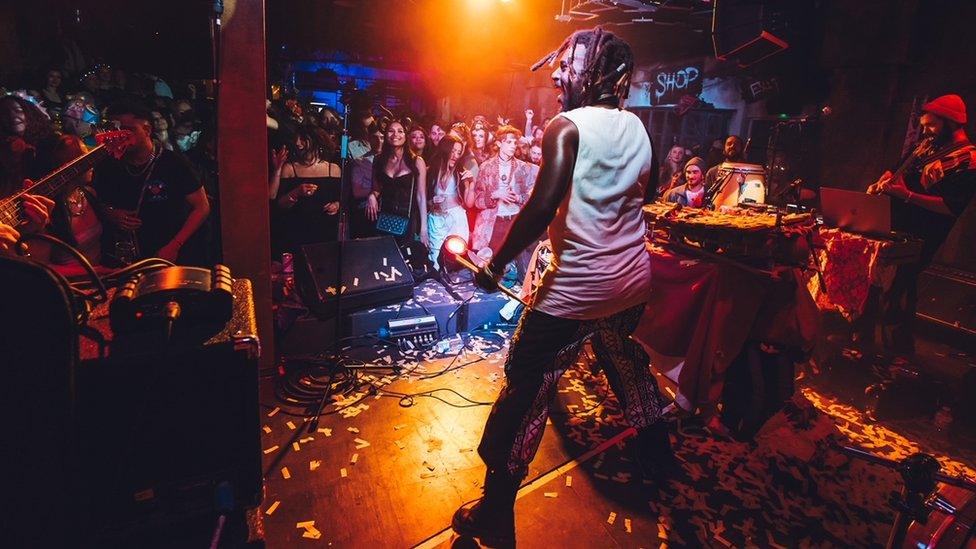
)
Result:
{"points": [[145, 183]]}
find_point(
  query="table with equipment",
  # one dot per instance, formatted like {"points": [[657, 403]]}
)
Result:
{"points": [[721, 279]]}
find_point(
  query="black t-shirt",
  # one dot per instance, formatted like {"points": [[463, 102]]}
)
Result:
{"points": [[164, 209], [956, 190]]}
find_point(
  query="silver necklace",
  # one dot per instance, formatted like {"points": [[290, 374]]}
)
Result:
{"points": [[144, 168]]}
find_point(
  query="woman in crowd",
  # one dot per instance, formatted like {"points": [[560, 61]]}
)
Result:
{"points": [[51, 98], [418, 142], [479, 143], [24, 129], [161, 121], [75, 218], [398, 174], [672, 170], [305, 191], [436, 133], [448, 185]]}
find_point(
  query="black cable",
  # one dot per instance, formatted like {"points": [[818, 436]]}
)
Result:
{"points": [[82, 260], [455, 311], [406, 399]]}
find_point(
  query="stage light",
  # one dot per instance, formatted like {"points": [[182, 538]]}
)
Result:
{"points": [[453, 247], [455, 244], [453, 256]]}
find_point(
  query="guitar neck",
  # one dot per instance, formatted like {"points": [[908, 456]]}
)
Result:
{"points": [[10, 209]]}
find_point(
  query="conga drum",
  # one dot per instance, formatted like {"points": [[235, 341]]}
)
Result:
{"points": [[746, 183]]}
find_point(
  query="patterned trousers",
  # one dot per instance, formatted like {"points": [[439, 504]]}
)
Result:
{"points": [[545, 346]]}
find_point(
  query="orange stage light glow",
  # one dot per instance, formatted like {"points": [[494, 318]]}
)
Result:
{"points": [[456, 245]]}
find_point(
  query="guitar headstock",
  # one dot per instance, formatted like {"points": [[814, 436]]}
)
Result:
{"points": [[114, 141], [924, 147]]}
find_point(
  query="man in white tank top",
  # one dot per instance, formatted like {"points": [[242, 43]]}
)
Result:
{"points": [[591, 186]]}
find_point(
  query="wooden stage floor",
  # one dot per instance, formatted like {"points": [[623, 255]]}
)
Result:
{"points": [[388, 470]]}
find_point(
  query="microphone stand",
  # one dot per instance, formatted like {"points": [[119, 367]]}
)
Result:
{"points": [[313, 423], [710, 194]]}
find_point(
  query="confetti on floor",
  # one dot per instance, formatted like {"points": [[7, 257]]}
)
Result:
{"points": [[273, 412], [271, 508], [354, 459], [612, 518], [343, 472], [269, 450], [285, 473], [551, 494], [627, 526], [310, 531], [291, 425], [353, 430], [314, 464]]}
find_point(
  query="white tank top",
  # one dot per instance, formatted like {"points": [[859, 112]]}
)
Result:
{"points": [[600, 265], [449, 189]]}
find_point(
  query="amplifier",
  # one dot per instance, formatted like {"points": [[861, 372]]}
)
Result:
{"points": [[161, 428], [373, 273]]}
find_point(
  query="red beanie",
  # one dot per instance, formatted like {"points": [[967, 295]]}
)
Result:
{"points": [[947, 106]]}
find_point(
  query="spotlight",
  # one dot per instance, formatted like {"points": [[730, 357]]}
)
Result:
{"points": [[453, 252], [455, 244], [452, 247]]}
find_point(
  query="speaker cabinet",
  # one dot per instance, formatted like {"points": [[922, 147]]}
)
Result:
{"points": [[373, 273], [744, 32]]}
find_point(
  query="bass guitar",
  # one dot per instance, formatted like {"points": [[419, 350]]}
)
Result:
{"points": [[111, 142]]}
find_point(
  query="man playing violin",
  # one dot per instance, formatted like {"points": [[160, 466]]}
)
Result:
{"points": [[930, 197]]}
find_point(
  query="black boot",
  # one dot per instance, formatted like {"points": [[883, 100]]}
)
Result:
{"points": [[651, 451], [491, 519]]}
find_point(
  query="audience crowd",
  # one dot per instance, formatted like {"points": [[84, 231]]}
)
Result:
{"points": [[157, 198], [420, 180], [467, 178]]}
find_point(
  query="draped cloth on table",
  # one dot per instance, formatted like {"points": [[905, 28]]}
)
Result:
{"points": [[705, 311]]}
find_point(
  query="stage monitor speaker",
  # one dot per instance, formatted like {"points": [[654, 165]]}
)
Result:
{"points": [[373, 273], [744, 31]]}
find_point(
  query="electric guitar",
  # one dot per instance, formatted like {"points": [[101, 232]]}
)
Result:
{"points": [[111, 142]]}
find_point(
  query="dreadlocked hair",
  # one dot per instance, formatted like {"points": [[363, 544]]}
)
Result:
{"points": [[608, 64]]}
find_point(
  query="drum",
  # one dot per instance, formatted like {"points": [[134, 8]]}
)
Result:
{"points": [[747, 183]]}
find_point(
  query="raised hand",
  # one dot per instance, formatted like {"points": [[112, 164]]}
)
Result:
{"points": [[279, 157]]}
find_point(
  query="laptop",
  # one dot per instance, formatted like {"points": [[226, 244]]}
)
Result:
{"points": [[856, 211]]}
